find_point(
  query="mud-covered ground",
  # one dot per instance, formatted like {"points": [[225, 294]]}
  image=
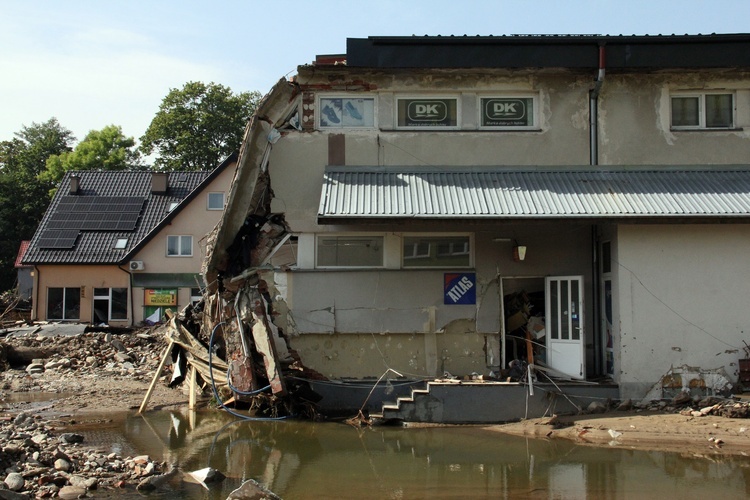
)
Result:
{"points": [[98, 372]]}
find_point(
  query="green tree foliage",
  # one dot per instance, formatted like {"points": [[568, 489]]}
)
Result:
{"points": [[198, 126], [23, 195], [105, 149]]}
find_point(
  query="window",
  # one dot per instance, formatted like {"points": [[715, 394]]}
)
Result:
{"points": [[121, 243], [216, 201], [507, 113], [437, 251], [110, 304], [343, 112], [195, 296], [64, 303], [703, 111], [350, 251], [172, 206], [417, 113], [179, 246]]}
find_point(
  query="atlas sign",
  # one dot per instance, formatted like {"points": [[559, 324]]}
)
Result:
{"points": [[459, 288]]}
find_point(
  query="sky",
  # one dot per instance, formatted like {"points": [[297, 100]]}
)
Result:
{"points": [[96, 63]]}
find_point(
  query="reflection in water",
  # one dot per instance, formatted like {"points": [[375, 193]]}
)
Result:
{"points": [[328, 460]]}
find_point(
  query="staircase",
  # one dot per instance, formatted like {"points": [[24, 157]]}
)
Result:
{"points": [[483, 402]]}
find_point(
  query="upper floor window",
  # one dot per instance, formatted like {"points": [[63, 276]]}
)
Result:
{"points": [[423, 112], [346, 112], [349, 251], [703, 110], [216, 201], [507, 112], [179, 246], [437, 251]]}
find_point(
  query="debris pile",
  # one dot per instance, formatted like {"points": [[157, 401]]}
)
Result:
{"points": [[37, 463], [26, 359]]}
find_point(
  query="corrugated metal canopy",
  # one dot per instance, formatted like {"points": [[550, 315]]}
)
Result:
{"points": [[505, 193]]}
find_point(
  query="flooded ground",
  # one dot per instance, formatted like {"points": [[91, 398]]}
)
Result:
{"points": [[330, 460]]}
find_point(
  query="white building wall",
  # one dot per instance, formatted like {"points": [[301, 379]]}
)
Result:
{"points": [[682, 292]]}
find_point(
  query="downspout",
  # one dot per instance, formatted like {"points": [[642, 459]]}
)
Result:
{"points": [[594, 107], [35, 305], [130, 288], [594, 160]]}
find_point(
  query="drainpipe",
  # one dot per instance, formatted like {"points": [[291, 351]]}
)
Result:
{"points": [[35, 300], [594, 160], [130, 289], [593, 109]]}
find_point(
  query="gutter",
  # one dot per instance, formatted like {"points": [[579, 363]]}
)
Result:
{"points": [[130, 288]]}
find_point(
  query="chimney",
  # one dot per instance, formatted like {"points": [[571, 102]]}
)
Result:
{"points": [[159, 182], [75, 184]]}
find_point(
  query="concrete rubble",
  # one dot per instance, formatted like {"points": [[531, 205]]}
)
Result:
{"points": [[39, 462]]}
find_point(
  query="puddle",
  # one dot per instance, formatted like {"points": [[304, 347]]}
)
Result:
{"points": [[37, 399], [330, 460]]}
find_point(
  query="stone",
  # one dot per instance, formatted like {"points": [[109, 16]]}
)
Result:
{"points": [[14, 481], [252, 489], [122, 357], [71, 438], [71, 492], [62, 465], [626, 405], [596, 407], [35, 368]]}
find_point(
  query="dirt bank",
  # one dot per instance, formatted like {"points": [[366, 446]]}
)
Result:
{"points": [[646, 430]]}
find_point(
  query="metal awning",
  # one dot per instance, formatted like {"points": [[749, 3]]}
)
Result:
{"points": [[503, 193]]}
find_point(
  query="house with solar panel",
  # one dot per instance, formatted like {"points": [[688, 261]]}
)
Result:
{"points": [[460, 207], [120, 247]]}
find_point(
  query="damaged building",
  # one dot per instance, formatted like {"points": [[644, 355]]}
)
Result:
{"points": [[454, 207]]}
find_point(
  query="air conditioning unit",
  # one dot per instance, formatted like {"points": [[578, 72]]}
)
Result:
{"points": [[136, 265]]}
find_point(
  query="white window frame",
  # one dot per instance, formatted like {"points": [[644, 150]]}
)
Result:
{"points": [[180, 251], [701, 96], [427, 97], [382, 237], [319, 108], [208, 200], [110, 302], [534, 96], [470, 251]]}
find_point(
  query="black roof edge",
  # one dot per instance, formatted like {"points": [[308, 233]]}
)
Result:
{"points": [[624, 52], [183, 203]]}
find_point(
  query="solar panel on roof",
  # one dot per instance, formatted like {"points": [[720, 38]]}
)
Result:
{"points": [[97, 213], [58, 239]]}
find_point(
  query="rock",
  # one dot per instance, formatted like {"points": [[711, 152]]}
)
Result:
{"points": [[614, 434], [14, 481], [122, 357], [12, 495], [596, 407], [71, 438], [207, 475], [118, 345], [62, 464], [682, 398], [35, 368], [252, 490], [626, 405], [71, 492]]}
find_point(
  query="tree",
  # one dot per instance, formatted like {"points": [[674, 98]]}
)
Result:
{"points": [[105, 149], [198, 126], [23, 195]]}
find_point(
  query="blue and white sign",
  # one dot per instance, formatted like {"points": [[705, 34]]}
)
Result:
{"points": [[460, 288]]}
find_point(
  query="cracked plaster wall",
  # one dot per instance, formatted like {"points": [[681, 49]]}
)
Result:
{"points": [[682, 300]]}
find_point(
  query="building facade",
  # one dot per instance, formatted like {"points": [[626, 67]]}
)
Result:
{"points": [[119, 248], [457, 203]]}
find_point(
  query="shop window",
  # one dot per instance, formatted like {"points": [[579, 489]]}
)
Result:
{"points": [[64, 304], [349, 251], [437, 251], [427, 112], [508, 113], [702, 111], [346, 112], [179, 246], [215, 201]]}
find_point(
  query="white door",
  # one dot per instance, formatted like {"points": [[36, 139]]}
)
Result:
{"points": [[564, 323]]}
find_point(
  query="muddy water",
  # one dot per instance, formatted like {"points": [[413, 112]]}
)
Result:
{"points": [[328, 460]]}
